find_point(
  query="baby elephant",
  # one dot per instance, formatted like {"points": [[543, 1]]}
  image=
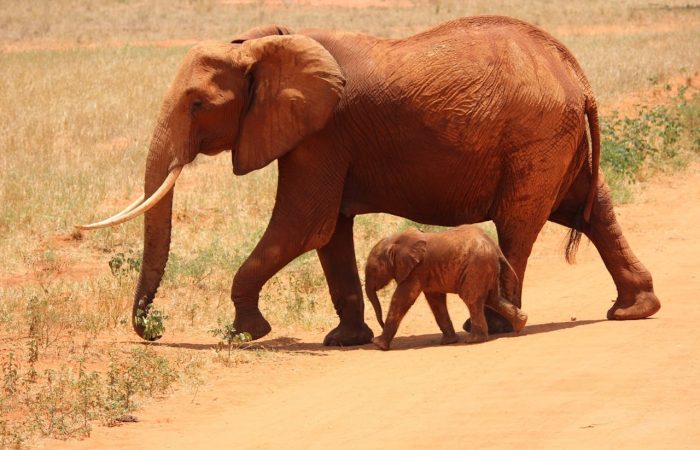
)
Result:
{"points": [[462, 260]]}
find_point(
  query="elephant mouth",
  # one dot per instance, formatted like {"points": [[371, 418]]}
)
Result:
{"points": [[139, 206]]}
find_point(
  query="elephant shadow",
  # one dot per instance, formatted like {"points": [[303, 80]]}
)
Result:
{"points": [[277, 344], [433, 339], [289, 344]]}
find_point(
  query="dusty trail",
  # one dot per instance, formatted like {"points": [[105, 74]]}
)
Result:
{"points": [[563, 383]]}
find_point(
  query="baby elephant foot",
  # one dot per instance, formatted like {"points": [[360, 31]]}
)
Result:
{"points": [[382, 343], [449, 339]]}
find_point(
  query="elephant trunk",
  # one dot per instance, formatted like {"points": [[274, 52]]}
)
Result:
{"points": [[371, 290], [156, 228]]}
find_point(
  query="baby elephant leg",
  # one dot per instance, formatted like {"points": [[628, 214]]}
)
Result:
{"points": [[404, 297], [438, 305], [476, 301], [512, 313]]}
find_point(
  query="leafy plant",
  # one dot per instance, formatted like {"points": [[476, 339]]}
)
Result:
{"points": [[654, 139], [152, 320], [49, 316], [53, 409], [122, 264], [10, 376], [144, 372], [230, 339]]}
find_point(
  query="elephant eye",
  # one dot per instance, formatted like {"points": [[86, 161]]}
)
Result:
{"points": [[196, 105]]}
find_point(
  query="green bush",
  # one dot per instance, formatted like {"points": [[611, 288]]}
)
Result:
{"points": [[657, 138], [62, 403]]}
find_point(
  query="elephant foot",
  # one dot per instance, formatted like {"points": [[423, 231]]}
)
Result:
{"points": [[519, 322], [497, 324], [448, 339], [253, 323], [345, 335], [476, 338], [638, 306], [381, 343]]}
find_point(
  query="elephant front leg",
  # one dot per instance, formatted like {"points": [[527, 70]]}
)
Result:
{"points": [[283, 241], [340, 267]]}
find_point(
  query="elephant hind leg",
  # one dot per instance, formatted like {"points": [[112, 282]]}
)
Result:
{"points": [[635, 291], [515, 316], [518, 224], [476, 301]]}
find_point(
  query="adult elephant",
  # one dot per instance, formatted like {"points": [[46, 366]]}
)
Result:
{"points": [[479, 118]]}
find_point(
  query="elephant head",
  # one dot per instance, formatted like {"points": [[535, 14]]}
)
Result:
{"points": [[258, 98], [392, 258]]}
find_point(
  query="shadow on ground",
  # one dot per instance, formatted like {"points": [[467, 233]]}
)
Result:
{"points": [[295, 345]]}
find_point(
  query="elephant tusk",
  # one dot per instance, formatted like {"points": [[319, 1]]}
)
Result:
{"points": [[137, 208], [133, 205], [126, 210]]}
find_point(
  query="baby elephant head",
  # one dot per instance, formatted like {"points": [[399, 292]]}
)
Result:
{"points": [[392, 258]]}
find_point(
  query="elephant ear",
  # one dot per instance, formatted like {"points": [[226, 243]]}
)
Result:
{"points": [[261, 31], [407, 256], [295, 85]]}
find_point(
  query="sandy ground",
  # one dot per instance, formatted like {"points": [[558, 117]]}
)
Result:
{"points": [[571, 379]]}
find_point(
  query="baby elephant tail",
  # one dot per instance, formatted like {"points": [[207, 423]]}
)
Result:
{"points": [[508, 282]]}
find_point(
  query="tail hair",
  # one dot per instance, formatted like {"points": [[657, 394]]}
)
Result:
{"points": [[594, 127], [584, 215], [575, 234]]}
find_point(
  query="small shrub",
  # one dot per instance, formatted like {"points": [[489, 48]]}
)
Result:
{"points": [[50, 316], [54, 408], [145, 372], [229, 338], [124, 264], [152, 320], [656, 139], [10, 375]]}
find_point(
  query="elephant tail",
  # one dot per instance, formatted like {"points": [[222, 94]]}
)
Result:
{"points": [[584, 217], [592, 115], [508, 281]]}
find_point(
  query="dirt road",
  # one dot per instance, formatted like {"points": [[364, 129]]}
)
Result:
{"points": [[563, 383]]}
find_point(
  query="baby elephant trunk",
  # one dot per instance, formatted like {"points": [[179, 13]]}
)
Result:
{"points": [[371, 290]]}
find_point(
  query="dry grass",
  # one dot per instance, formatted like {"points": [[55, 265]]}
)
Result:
{"points": [[78, 109]]}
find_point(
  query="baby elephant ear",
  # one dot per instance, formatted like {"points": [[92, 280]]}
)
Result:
{"points": [[407, 257]]}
